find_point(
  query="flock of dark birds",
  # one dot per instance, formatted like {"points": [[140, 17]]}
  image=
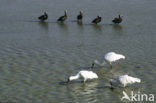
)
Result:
{"points": [[79, 18]]}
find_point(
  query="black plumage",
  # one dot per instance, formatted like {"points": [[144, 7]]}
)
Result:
{"points": [[117, 20], [63, 18], [80, 16], [97, 20], [43, 17]]}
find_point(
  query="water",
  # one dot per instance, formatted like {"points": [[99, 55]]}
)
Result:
{"points": [[37, 58]]}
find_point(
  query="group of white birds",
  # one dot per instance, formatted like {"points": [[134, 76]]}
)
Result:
{"points": [[110, 57]]}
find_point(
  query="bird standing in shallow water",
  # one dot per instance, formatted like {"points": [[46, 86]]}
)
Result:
{"points": [[117, 20], [109, 58], [83, 74], [63, 18], [112, 57], [80, 16], [97, 20], [43, 17], [124, 80]]}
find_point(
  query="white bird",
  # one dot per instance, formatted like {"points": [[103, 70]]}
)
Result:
{"points": [[83, 74], [124, 80], [110, 57]]}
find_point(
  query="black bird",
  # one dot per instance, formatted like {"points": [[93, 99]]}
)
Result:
{"points": [[97, 20], [80, 16], [117, 20], [63, 18], [43, 17]]}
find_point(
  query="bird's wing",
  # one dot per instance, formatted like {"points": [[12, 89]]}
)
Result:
{"points": [[60, 18], [125, 79], [89, 74], [111, 57]]}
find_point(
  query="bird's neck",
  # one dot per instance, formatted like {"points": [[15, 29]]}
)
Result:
{"points": [[74, 77], [65, 14], [120, 17]]}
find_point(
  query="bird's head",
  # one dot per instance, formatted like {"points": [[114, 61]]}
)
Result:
{"points": [[45, 13], [92, 65], [98, 16], [120, 16], [65, 11], [80, 12], [69, 79]]}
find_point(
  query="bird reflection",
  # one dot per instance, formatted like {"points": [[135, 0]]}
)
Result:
{"points": [[87, 89], [117, 27], [80, 24], [63, 25], [44, 25], [97, 27]]}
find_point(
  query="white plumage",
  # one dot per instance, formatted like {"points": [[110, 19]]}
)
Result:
{"points": [[124, 80], [85, 75], [110, 57]]}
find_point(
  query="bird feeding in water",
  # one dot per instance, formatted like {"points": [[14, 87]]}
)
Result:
{"points": [[85, 75], [43, 17], [63, 18], [97, 20], [80, 16], [110, 57], [117, 20], [124, 80]]}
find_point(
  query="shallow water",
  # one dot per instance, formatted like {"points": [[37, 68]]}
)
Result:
{"points": [[36, 58]]}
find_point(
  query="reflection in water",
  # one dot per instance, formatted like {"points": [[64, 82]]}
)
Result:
{"points": [[63, 25], [44, 25], [97, 27], [80, 24], [117, 27], [86, 91]]}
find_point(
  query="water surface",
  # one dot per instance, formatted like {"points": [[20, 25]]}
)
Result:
{"points": [[36, 58]]}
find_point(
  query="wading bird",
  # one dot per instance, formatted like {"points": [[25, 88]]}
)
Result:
{"points": [[117, 20], [109, 58], [124, 80], [83, 74], [63, 18], [97, 20], [80, 16], [43, 17]]}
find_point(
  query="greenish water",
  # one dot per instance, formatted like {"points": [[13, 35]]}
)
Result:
{"points": [[37, 58]]}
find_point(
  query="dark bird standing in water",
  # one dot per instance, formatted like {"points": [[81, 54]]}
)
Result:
{"points": [[63, 18], [97, 20], [43, 17], [80, 16], [117, 20]]}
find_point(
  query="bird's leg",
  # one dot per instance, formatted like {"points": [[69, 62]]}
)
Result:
{"points": [[111, 65], [118, 64], [84, 81]]}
